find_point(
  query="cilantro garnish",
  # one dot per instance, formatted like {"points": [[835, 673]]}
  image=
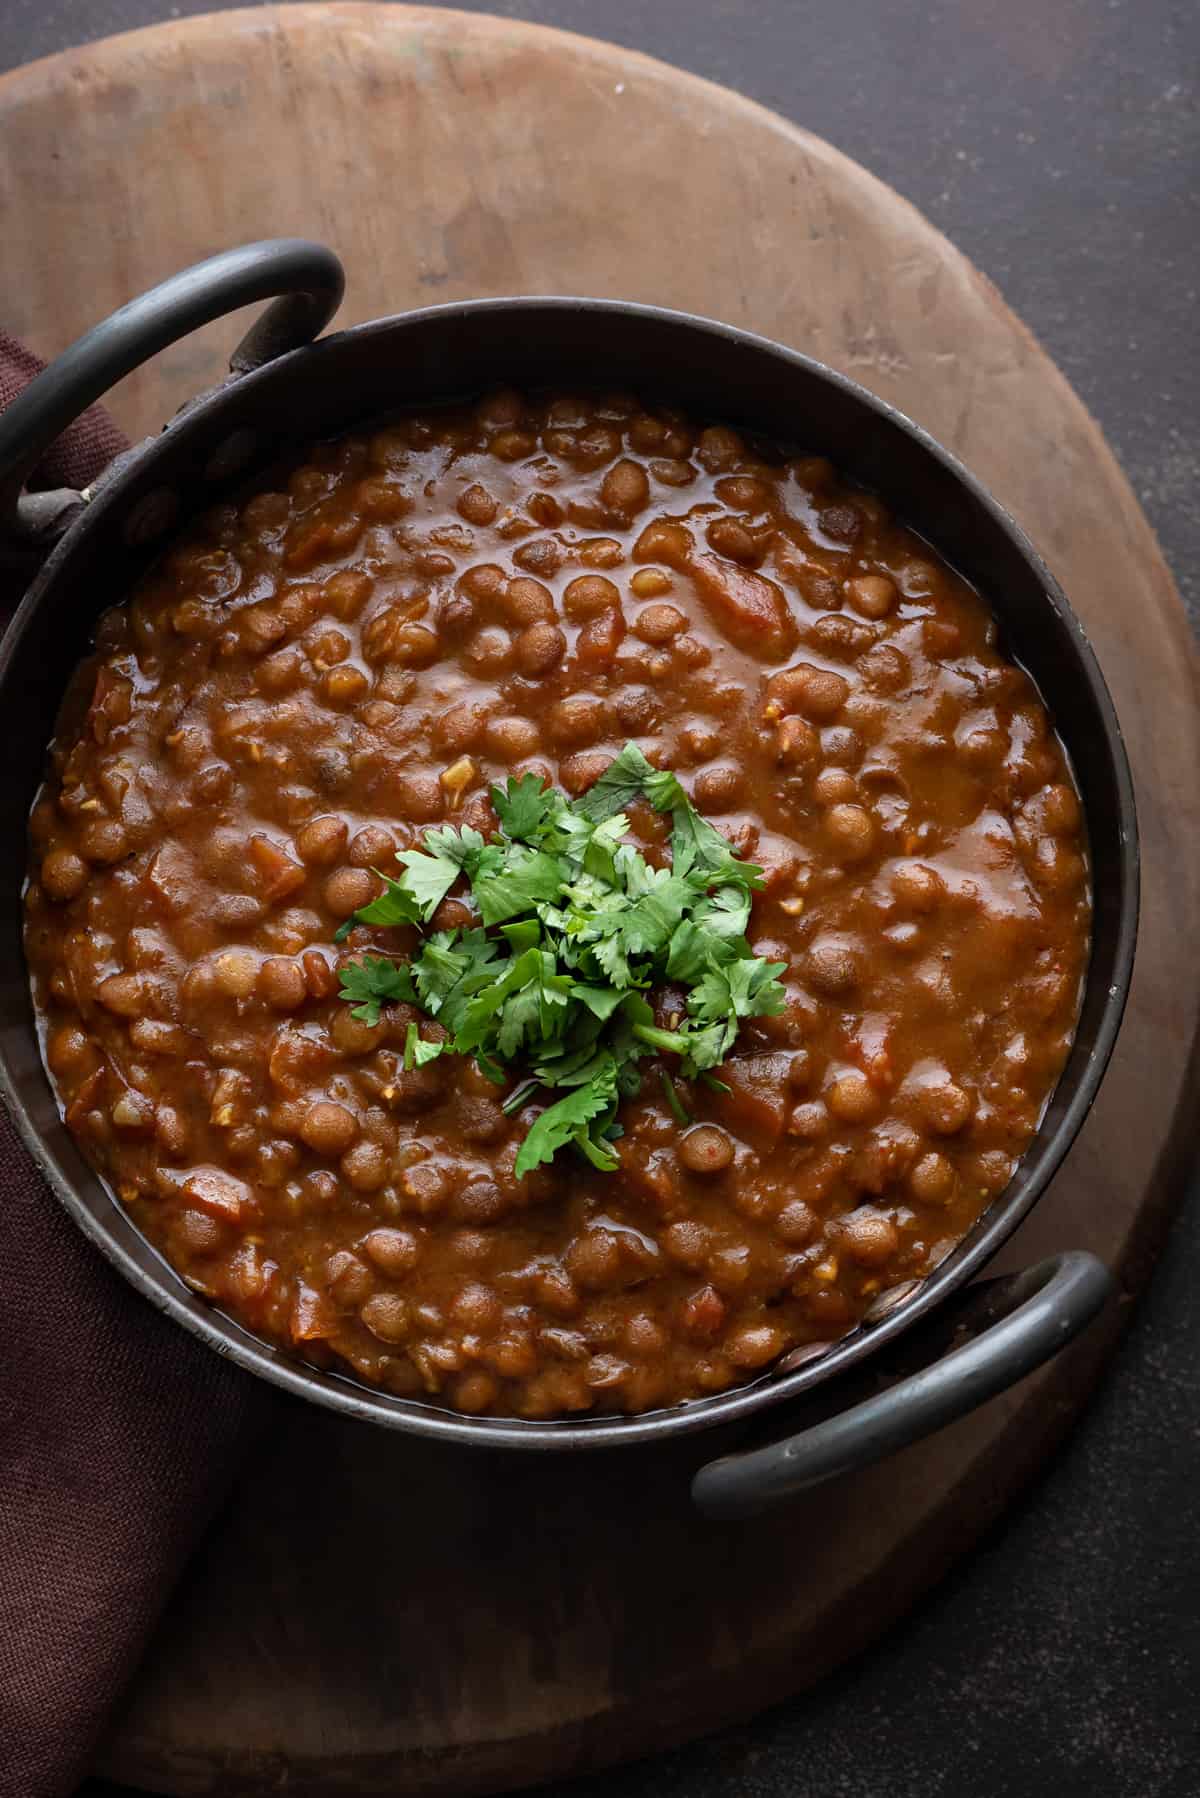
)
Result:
{"points": [[577, 927], [679, 1110], [373, 982]]}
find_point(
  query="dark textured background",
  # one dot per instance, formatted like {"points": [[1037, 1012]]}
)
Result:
{"points": [[1058, 143]]}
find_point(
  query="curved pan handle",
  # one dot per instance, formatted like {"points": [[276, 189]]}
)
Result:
{"points": [[310, 280], [1041, 1311]]}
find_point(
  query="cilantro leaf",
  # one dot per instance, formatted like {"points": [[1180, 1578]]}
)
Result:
{"points": [[480, 962], [623, 780], [664, 791], [571, 1062], [726, 914], [519, 1021], [709, 999], [473, 1028], [600, 848], [395, 905], [691, 950], [449, 843], [746, 988], [756, 988], [597, 1151], [417, 1052], [525, 807], [658, 912], [695, 844], [524, 935], [610, 957], [372, 982], [426, 880], [708, 1048], [572, 1120], [437, 969], [527, 877], [601, 1001]]}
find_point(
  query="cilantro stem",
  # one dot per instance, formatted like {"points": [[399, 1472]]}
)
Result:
{"points": [[679, 1109], [520, 1096], [718, 1086], [674, 1042]]}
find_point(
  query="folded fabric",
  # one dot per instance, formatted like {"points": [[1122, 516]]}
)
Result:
{"points": [[119, 1433]]}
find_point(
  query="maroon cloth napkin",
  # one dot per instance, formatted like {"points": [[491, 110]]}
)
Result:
{"points": [[119, 1433], [79, 453]]}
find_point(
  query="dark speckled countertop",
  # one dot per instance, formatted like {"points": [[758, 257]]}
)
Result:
{"points": [[1058, 143]]}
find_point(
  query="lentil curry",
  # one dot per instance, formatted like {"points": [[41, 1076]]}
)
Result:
{"points": [[318, 676]]}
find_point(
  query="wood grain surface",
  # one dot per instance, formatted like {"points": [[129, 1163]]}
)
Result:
{"points": [[379, 1616]]}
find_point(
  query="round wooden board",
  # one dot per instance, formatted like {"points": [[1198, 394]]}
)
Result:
{"points": [[375, 1615]]}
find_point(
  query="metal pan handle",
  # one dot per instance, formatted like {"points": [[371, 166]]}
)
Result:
{"points": [[309, 280], [1040, 1311]]}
